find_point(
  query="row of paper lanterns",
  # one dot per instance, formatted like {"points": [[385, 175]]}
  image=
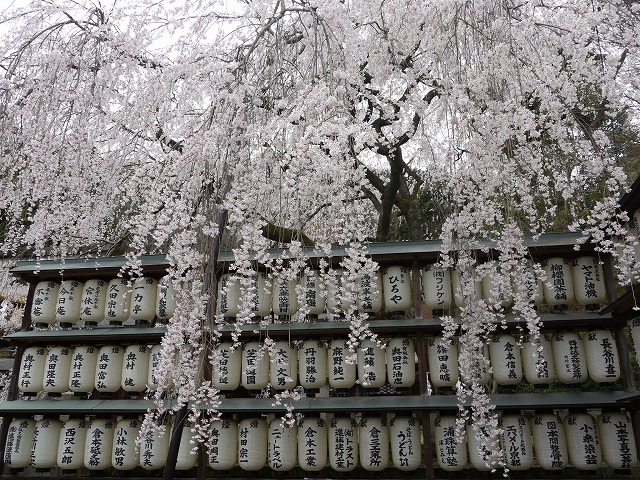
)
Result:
{"points": [[117, 301], [568, 356], [340, 443]]}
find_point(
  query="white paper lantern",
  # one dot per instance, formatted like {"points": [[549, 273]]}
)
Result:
{"points": [[32, 368], [284, 366], [312, 359], [588, 282], [108, 377], [261, 299], [45, 302], [343, 444], [342, 374], [436, 288], [634, 328], [187, 458], [255, 367], [229, 296], [516, 442], [135, 368], [618, 442], [312, 444], [583, 443], [285, 300], [443, 362], [401, 362], [370, 293], [373, 435], [371, 364], [464, 285], [539, 367], [143, 299], [125, 454], [314, 300], [396, 287], [99, 444], [558, 289], [549, 442], [252, 444], [479, 448], [451, 453], [155, 447], [69, 302], [17, 450], [94, 300], [45, 443], [223, 454], [495, 290], [506, 362], [56, 374], [226, 367], [531, 284], [406, 451], [165, 301], [71, 444], [569, 357], [479, 369], [283, 446], [337, 290], [154, 365], [601, 351], [117, 309]]}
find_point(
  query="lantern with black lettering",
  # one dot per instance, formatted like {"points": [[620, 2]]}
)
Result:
{"points": [[284, 365], [436, 288], [71, 444], [226, 367], [45, 443], [255, 367], [125, 454], [282, 445], [588, 282], [17, 450], [549, 442], [396, 286], [496, 286], [261, 296], [98, 445], [343, 444], [531, 284], [94, 300], [314, 300], [229, 296], [480, 443], [116, 309], [570, 358], [370, 293], [56, 374], [601, 351], [69, 303], [108, 378], [337, 299], [465, 285], [537, 359], [516, 442], [406, 451], [401, 362], [583, 443], [443, 361], [284, 298], [135, 368], [143, 299], [373, 436], [223, 452], [341, 365], [45, 302], [506, 362], [618, 442], [312, 444], [312, 356], [32, 370], [371, 364], [252, 444], [558, 289], [187, 457], [155, 447], [165, 301], [451, 453]]}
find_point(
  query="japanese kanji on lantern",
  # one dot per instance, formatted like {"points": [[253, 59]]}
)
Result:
{"points": [[570, 357], [549, 442], [125, 454], [284, 298], [255, 367], [370, 293], [396, 286], [312, 360], [56, 374], [531, 284], [373, 446], [224, 444], [71, 444], [496, 287], [312, 444], [144, 293], [516, 442], [371, 364], [93, 302], [135, 368], [401, 362], [17, 450], [337, 300], [343, 443], [252, 444], [464, 285], [603, 363], [98, 445], [154, 366], [187, 458], [537, 359], [443, 361], [261, 299], [588, 282], [226, 367], [116, 309], [436, 288], [229, 296], [108, 375], [283, 371], [451, 453], [45, 443], [558, 287], [165, 300], [506, 362], [406, 450], [45, 302], [583, 443], [480, 370], [32, 371], [282, 446], [341, 372], [155, 447], [617, 439], [314, 295], [479, 446], [69, 303]]}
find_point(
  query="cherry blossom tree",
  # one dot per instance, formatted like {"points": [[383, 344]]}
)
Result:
{"points": [[176, 128]]}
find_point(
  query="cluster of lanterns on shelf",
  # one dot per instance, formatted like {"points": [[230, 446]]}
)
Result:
{"points": [[144, 299], [340, 443], [312, 364]]}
